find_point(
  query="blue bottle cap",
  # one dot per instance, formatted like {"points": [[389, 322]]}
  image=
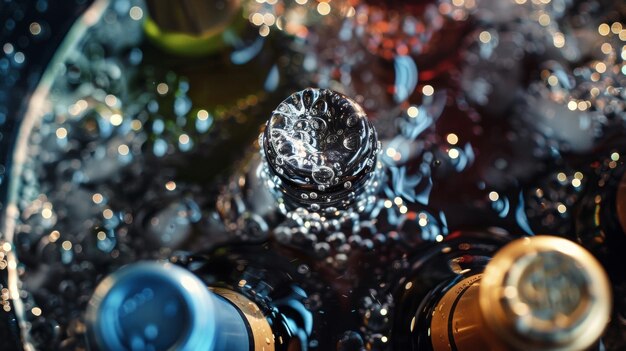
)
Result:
{"points": [[154, 306]]}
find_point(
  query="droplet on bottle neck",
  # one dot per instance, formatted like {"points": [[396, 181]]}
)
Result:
{"points": [[322, 148]]}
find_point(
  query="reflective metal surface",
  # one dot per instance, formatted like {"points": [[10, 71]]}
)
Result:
{"points": [[546, 293]]}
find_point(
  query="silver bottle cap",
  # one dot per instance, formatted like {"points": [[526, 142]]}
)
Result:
{"points": [[321, 150]]}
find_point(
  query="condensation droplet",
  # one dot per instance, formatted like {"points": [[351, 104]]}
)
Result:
{"points": [[351, 142], [323, 175], [351, 121]]}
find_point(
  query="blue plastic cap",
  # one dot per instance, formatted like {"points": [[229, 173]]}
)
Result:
{"points": [[155, 306]]}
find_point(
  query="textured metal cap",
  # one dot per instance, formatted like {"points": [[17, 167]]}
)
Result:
{"points": [[153, 306], [321, 147], [545, 293]]}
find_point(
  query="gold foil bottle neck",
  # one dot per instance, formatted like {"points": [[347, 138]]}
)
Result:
{"points": [[262, 335], [545, 293]]}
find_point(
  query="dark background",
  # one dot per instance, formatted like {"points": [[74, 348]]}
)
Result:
{"points": [[19, 78], [24, 54]]}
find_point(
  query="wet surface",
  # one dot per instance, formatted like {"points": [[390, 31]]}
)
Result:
{"points": [[455, 115]]}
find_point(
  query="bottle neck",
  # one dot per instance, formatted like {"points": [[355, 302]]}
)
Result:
{"points": [[193, 28], [162, 306], [457, 323], [260, 331], [539, 293]]}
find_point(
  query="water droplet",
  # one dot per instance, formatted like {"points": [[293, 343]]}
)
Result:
{"points": [[351, 142], [323, 175], [320, 107], [303, 269], [302, 125], [351, 121]]}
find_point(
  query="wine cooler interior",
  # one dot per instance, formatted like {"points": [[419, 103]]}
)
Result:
{"points": [[349, 175]]}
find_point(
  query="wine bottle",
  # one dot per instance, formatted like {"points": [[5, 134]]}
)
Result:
{"points": [[319, 163], [195, 53], [600, 213], [237, 298], [318, 153], [113, 132], [103, 128], [539, 293], [154, 306], [583, 199]]}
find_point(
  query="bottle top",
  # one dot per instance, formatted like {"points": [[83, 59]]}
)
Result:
{"points": [[545, 293], [191, 27], [321, 147], [155, 306]]}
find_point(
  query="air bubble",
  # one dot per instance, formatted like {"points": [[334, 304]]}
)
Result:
{"points": [[351, 121], [320, 108], [323, 175], [302, 125], [351, 142], [303, 269]]}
